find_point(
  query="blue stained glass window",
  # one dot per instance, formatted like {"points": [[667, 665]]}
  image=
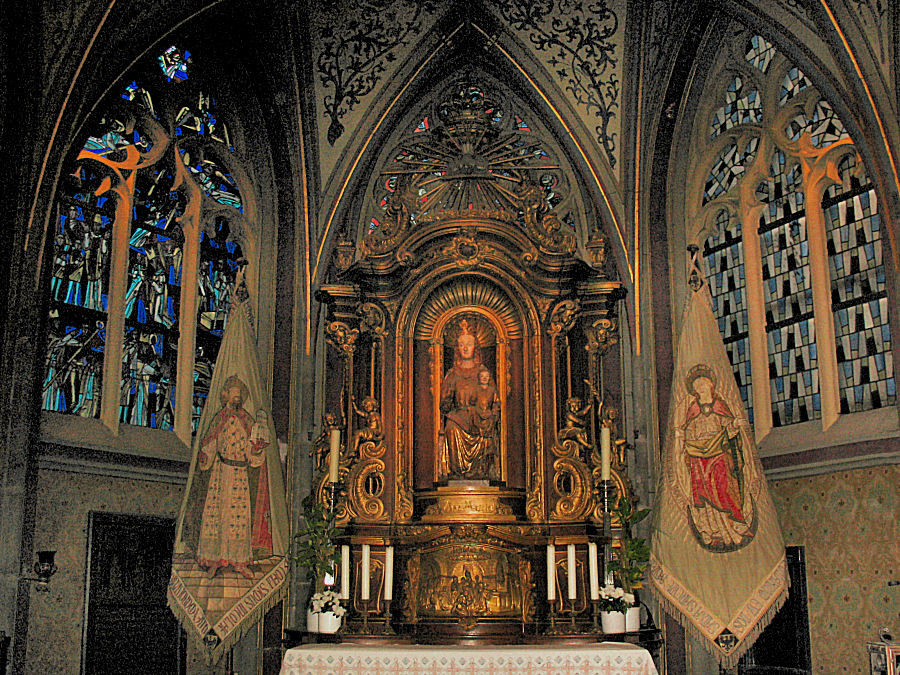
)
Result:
{"points": [[723, 254], [202, 121], [741, 107], [74, 367], [220, 261], [759, 52], [148, 378], [787, 294], [214, 180], [139, 96], [174, 63], [729, 168], [858, 292]]}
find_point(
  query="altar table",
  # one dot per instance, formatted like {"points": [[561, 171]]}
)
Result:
{"points": [[608, 658]]}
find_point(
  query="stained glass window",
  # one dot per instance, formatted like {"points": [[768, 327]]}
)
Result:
{"points": [[858, 293], [220, 260], [174, 63], [825, 127], [742, 106], [723, 254], [729, 168], [788, 298], [794, 82], [90, 231], [759, 52]]}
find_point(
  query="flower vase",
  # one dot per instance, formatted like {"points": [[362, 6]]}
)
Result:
{"points": [[633, 619], [612, 622], [312, 621], [329, 622]]}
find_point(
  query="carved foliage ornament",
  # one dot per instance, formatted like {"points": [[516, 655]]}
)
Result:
{"points": [[342, 336], [563, 317]]}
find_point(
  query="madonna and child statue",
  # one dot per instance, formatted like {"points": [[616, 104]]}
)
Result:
{"points": [[470, 406]]}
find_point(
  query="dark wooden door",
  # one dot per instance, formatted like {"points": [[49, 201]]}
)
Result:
{"points": [[128, 627]]}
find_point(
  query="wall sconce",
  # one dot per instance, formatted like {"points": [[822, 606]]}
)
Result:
{"points": [[45, 567]]}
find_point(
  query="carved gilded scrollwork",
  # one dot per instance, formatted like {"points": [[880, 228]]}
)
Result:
{"points": [[602, 334], [573, 484], [526, 584], [466, 251], [372, 319], [342, 336], [597, 249], [541, 222], [366, 482], [563, 317], [344, 252], [401, 204], [534, 505]]}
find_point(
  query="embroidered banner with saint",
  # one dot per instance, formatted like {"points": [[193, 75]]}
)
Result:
{"points": [[717, 556], [230, 560]]}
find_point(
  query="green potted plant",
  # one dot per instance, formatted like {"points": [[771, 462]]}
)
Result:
{"points": [[632, 556], [315, 550]]}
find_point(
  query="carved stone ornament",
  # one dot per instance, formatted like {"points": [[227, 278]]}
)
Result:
{"points": [[597, 249], [342, 336], [344, 252], [372, 319], [602, 334], [466, 250], [563, 317]]}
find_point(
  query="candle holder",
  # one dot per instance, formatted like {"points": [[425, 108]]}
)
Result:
{"points": [[365, 629], [387, 629], [572, 614], [552, 629], [595, 615]]}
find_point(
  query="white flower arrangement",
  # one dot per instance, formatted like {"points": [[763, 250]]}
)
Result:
{"points": [[615, 599], [327, 601]]}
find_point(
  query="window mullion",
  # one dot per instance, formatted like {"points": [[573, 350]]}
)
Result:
{"points": [[829, 388], [115, 325], [756, 313], [184, 392]]}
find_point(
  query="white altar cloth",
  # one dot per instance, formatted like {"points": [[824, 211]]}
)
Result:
{"points": [[608, 658]]}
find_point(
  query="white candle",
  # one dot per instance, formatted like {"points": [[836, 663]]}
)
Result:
{"points": [[364, 582], [334, 455], [551, 572], [345, 572], [604, 453], [593, 570], [389, 573], [570, 554]]}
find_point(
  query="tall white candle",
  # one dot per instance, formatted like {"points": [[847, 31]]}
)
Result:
{"points": [[345, 572], [389, 573], [570, 554], [604, 453], [364, 582], [334, 455], [593, 570], [551, 572]]}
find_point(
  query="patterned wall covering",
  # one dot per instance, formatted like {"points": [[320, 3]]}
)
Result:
{"points": [[61, 523], [848, 522]]}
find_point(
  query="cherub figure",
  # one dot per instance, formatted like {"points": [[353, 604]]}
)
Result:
{"points": [[322, 445], [373, 430], [576, 426]]}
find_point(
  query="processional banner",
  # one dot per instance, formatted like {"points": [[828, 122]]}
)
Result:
{"points": [[230, 563], [717, 560]]}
